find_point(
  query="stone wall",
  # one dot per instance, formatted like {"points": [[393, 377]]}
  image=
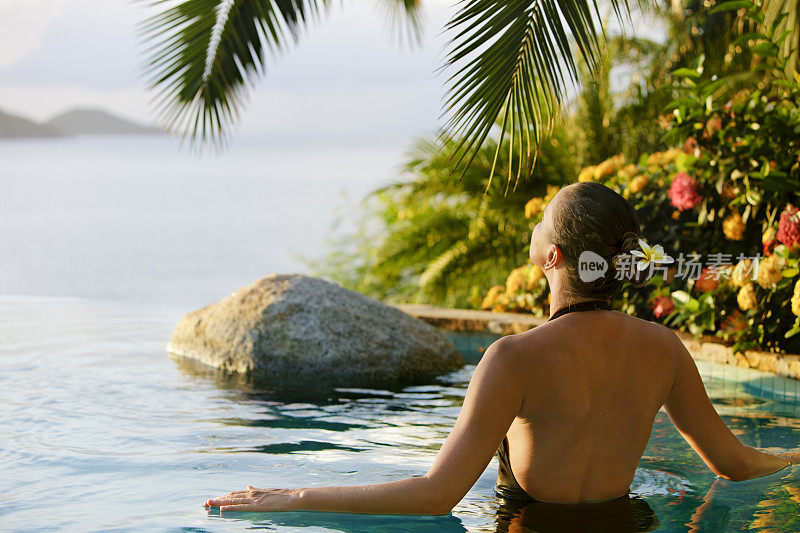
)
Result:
{"points": [[706, 348]]}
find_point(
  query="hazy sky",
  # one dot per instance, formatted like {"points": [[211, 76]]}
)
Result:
{"points": [[345, 76]]}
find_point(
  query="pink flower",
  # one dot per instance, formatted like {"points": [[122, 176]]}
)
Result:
{"points": [[789, 226], [683, 192], [662, 305]]}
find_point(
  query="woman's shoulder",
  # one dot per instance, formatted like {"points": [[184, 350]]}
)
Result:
{"points": [[614, 325]]}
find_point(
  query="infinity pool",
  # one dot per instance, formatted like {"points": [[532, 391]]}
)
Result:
{"points": [[103, 431]]}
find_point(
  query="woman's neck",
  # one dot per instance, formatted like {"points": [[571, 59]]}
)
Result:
{"points": [[559, 297]]}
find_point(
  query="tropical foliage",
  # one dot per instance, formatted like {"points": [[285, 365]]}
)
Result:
{"points": [[730, 194], [511, 62], [704, 177], [429, 240]]}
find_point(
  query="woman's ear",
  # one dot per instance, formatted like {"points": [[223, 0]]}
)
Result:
{"points": [[553, 256]]}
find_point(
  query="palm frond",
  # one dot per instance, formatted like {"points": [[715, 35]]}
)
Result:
{"points": [[205, 53], [443, 264], [405, 18], [203, 56], [789, 11], [514, 63]]}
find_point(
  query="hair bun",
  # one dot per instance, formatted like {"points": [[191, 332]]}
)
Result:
{"points": [[628, 242], [638, 278]]}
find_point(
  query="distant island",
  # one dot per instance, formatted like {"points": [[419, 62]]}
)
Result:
{"points": [[72, 123]]}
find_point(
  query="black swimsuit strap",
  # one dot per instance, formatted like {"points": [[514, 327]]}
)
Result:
{"points": [[587, 305]]}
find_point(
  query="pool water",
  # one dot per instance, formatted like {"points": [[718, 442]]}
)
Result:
{"points": [[103, 431]]}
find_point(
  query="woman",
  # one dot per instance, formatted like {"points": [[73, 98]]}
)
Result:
{"points": [[570, 404]]}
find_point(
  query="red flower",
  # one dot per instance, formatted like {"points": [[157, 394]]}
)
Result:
{"points": [[690, 145], [706, 282], [789, 226], [683, 192], [770, 245], [734, 322], [662, 306]]}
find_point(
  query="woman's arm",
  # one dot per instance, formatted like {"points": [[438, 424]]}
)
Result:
{"points": [[492, 401], [414, 495], [690, 409]]}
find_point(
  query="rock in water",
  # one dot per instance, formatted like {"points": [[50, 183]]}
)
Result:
{"points": [[291, 326]]}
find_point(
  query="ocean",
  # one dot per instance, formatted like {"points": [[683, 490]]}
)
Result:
{"points": [[138, 218]]}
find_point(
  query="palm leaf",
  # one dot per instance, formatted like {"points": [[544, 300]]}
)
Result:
{"points": [[204, 55], [790, 11], [405, 18], [513, 64]]}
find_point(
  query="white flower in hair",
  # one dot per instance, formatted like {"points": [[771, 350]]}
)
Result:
{"points": [[650, 255]]}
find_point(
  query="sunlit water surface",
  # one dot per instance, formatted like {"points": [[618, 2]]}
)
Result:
{"points": [[103, 431]]}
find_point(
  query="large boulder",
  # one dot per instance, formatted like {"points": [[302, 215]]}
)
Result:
{"points": [[291, 326]]}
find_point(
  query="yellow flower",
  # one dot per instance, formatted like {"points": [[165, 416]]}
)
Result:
{"points": [[796, 299], [655, 158], [517, 280], [606, 168], [671, 154], [768, 235], [628, 171], [746, 297], [650, 255], [501, 303], [725, 272], [733, 227], [742, 273], [552, 190], [638, 183], [491, 296], [533, 207], [523, 279], [769, 271], [534, 274], [587, 174]]}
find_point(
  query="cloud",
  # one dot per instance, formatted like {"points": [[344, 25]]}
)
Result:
{"points": [[345, 76], [22, 27], [87, 42]]}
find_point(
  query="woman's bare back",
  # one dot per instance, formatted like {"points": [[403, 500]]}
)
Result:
{"points": [[594, 383]]}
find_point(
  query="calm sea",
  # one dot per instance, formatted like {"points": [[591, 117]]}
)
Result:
{"points": [[137, 218]]}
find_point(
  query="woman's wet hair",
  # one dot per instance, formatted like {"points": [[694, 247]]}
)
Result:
{"points": [[596, 218]]}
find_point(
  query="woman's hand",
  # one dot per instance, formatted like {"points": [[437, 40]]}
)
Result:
{"points": [[254, 499]]}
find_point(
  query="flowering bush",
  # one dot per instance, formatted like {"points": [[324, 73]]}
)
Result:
{"points": [[727, 192]]}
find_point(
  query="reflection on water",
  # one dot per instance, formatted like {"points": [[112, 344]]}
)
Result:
{"points": [[621, 515], [287, 388], [117, 435], [350, 523]]}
